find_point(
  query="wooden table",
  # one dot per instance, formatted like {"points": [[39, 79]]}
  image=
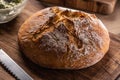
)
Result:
{"points": [[107, 69], [112, 21]]}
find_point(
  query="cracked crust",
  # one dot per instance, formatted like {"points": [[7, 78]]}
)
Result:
{"points": [[61, 38]]}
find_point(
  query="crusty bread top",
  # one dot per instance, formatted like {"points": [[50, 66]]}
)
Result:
{"points": [[71, 36]]}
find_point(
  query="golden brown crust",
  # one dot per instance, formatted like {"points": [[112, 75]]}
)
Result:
{"points": [[63, 39]]}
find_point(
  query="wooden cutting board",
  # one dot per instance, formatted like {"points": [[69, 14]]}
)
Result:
{"points": [[107, 69], [100, 6]]}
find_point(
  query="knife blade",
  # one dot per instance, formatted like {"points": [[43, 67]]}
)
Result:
{"points": [[11, 66]]}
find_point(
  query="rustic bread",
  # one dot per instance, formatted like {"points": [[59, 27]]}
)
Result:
{"points": [[61, 38]]}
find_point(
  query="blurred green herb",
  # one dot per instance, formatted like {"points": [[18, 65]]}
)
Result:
{"points": [[8, 3]]}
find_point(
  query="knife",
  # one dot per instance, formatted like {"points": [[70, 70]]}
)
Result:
{"points": [[12, 67]]}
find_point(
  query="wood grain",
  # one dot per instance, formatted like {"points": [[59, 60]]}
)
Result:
{"points": [[100, 6], [107, 69], [112, 21]]}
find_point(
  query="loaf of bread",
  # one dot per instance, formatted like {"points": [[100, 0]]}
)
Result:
{"points": [[61, 38]]}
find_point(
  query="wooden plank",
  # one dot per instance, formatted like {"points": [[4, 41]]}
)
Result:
{"points": [[107, 69], [100, 6], [112, 21]]}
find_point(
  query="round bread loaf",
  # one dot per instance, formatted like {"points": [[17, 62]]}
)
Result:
{"points": [[61, 38]]}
